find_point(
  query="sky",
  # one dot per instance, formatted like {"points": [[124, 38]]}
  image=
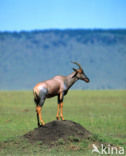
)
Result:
{"points": [[19, 15]]}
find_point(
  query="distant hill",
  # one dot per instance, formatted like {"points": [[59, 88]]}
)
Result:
{"points": [[29, 57]]}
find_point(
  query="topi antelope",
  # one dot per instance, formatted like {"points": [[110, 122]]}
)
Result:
{"points": [[57, 86]]}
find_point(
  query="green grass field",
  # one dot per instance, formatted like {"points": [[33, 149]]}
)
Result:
{"points": [[101, 112]]}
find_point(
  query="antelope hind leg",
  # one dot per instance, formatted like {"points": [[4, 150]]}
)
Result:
{"points": [[39, 116]]}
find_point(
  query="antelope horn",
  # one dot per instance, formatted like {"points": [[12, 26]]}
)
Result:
{"points": [[77, 64]]}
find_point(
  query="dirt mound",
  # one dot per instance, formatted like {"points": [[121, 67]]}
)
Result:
{"points": [[56, 131]]}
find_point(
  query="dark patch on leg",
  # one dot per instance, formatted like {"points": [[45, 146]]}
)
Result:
{"points": [[36, 99], [38, 120]]}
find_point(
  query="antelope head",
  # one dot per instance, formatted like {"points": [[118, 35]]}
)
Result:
{"points": [[79, 73]]}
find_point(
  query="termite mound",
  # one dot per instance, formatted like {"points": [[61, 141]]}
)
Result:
{"points": [[58, 131]]}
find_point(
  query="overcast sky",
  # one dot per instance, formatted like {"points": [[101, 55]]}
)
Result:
{"points": [[16, 15]]}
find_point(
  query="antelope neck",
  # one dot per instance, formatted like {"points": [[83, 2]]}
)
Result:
{"points": [[70, 80]]}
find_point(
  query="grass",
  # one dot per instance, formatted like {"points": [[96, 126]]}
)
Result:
{"points": [[101, 112]]}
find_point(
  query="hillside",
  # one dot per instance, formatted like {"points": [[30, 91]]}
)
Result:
{"points": [[29, 57]]}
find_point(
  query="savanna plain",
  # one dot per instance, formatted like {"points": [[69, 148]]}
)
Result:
{"points": [[102, 112]]}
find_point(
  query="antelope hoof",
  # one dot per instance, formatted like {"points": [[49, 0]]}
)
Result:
{"points": [[39, 125], [57, 117], [42, 124], [62, 118]]}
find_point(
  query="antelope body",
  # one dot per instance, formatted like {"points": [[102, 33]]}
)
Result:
{"points": [[57, 86]]}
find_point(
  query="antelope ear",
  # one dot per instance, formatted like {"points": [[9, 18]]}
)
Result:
{"points": [[75, 72], [74, 69]]}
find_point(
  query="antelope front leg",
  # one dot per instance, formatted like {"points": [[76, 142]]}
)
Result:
{"points": [[61, 111], [39, 116], [57, 115], [60, 107]]}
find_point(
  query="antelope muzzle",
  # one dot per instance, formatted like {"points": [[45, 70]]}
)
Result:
{"points": [[86, 79]]}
